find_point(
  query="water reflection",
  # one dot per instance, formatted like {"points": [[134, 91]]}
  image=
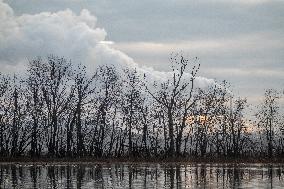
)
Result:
{"points": [[123, 175]]}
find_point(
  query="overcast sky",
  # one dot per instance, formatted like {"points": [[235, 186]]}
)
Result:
{"points": [[241, 41]]}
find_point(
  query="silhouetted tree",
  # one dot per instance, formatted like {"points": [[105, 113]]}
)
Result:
{"points": [[173, 94], [268, 118]]}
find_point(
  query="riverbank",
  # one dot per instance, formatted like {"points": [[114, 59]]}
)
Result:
{"points": [[88, 160]]}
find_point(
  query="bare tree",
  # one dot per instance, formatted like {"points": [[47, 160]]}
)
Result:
{"points": [[109, 91], [34, 95], [131, 104], [54, 74], [85, 88], [59, 110], [5, 85], [268, 118], [173, 94]]}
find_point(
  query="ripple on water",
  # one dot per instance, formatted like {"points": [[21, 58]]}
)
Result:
{"points": [[123, 175]]}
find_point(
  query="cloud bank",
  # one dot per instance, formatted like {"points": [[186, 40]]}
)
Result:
{"points": [[63, 33]]}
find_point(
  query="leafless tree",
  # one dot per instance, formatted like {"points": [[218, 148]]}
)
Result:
{"points": [[173, 94], [268, 117]]}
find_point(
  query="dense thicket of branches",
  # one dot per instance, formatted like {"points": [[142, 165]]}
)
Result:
{"points": [[60, 110]]}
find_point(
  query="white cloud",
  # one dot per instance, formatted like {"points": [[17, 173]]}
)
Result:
{"points": [[62, 33]]}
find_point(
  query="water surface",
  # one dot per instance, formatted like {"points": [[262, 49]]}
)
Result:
{"points": [[127, 175]]}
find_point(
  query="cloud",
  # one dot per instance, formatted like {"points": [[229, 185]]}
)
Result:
{"points": [[258, 55], [64, 33], [246, 2], [250, 43]]}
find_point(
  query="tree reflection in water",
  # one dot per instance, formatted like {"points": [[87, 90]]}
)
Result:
{"points": [[125, 175]]}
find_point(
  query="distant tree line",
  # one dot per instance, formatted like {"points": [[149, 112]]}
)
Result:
{"points": [[60, 110]]}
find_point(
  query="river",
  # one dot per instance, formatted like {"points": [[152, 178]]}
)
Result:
{"points": [[144, 175]]}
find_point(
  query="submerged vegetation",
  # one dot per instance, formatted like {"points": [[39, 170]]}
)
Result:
{"points": [[57, 110]]}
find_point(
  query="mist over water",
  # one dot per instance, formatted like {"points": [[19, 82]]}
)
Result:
{"points": [[126, 175]]}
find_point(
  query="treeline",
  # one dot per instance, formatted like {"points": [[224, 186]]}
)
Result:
{"points": [[60, 110]]}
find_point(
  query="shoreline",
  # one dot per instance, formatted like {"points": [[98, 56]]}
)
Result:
{"points": [[25, 160]]}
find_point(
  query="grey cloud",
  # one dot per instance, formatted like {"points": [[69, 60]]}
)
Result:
{"points": [[64, 33], [170, 20], [251, 31]]}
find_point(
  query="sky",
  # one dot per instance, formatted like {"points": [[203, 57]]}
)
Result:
{"points": [[241, 41]]}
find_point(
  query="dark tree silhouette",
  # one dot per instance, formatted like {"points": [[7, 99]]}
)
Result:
{"points": [[60, 110]]}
